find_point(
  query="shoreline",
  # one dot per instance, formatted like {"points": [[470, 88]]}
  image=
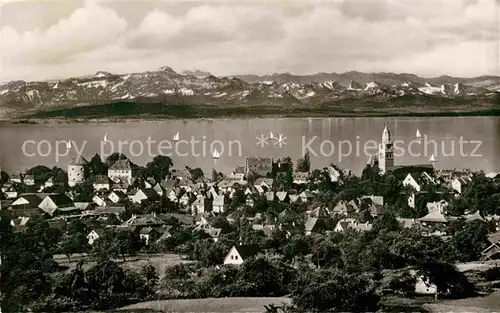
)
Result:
{"points": [[492, 112]]}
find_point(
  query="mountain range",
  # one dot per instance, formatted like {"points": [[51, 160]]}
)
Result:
{"points": [[198, 87]]}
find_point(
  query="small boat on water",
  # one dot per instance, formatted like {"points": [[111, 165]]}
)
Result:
{"points": [[418, 135], [176, 137], [432, 158], [105, 137], [271, 136], [68, 144], [215, 154]]}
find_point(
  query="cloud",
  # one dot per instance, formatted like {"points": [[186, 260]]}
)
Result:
{"points": [[425, 37]]}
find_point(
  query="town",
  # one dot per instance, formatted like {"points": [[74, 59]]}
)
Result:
{"points": [[270, 228]]}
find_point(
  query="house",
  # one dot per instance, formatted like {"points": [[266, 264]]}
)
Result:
{"points": [[27, 201], [200, 205], [266, 183], [418, 180], [422, 285], [492, 252], [120, 185], [300, 178], [145, 195], [406, 222], [148, 234], [76, 170], [11, 192], [174, 194], [94, 235], [433, 218], [214, 233], [315, 225], [149, 182], [48, 183], [145, 220], [29, 180], [100, 200], [266, 229], [16, 178], [341, 227], [101, 182], [333, 173], [238, 173], [459, 183], [250, 201], [239, 254], [121, 171], [282, 196], [57, 204], [259, 166], [219, 204], [159, 189], [305, 196], [185, 199], [343, 207], [345, 224], [117, 196], [269, 196]]}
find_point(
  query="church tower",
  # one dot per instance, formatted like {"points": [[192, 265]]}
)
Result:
{"points": [[385, 152]]}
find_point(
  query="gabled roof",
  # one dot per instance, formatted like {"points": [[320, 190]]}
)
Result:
{"points": [[269, 195], [79, 160], [144, 220], [281, 195], [101, 179], [247, 251], [260, 181], [61, 200], [121, 165], [169, 183], [435, 217]]}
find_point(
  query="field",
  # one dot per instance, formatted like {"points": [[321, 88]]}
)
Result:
{"points": [[220, 305], [159, 261], [489, 303]]}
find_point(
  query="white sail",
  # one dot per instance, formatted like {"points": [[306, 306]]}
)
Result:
{"points": [[271, 135], [68, 144], [216, 154], [176, 137], [280, 137], [418, 135], [432, 158], [106, 137]]}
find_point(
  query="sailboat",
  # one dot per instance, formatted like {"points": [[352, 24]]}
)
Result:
{"points": [[68, 144], [215, 155], [105, 137], [432, 159], [418, 135], [176, 137], [271, 136]]}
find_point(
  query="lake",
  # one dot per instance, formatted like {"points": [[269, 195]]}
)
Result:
{"points": [[456, 142]]}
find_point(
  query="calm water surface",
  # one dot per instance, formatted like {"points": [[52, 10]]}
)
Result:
{"points": [[327, 139]]}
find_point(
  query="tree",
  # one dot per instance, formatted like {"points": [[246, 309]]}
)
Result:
{"points": [[97, 166], [448, 280], [4, 177], [158, 168], [115, 156], [304, 164], [196, 173], [470, 240], [336, 292]]}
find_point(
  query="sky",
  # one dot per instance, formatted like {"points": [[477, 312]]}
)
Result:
{"points": [[48, 40]]}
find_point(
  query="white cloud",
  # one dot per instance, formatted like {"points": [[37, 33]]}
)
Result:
{"points": [[425, 37]]}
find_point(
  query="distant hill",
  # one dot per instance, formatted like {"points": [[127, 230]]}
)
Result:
{"points": [[198, 88]]}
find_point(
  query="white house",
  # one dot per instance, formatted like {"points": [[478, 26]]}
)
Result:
{"points": [[101, 182], [94, 235], [459, 183], [117, 196], [57, 202], [76, 170], [300, 178], [238, 254], [144, 194], [121, 170], [422, 285], [198, 206], [219, 203], [264, 183], [29, 180], [418, 180], [99, 200]]}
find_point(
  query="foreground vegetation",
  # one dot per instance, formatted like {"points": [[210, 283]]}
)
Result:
{"points": [[346, 271]]}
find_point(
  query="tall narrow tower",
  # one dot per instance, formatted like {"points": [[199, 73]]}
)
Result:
{"points": [[76, 170], [385, 152]]}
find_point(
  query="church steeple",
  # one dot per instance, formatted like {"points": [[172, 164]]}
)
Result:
{"points": [[385, 152], [386, 136]]}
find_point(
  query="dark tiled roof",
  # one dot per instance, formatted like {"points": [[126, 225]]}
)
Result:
{"points": [[247, 251], [61, 200], [79, 160], [122, 164]]}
